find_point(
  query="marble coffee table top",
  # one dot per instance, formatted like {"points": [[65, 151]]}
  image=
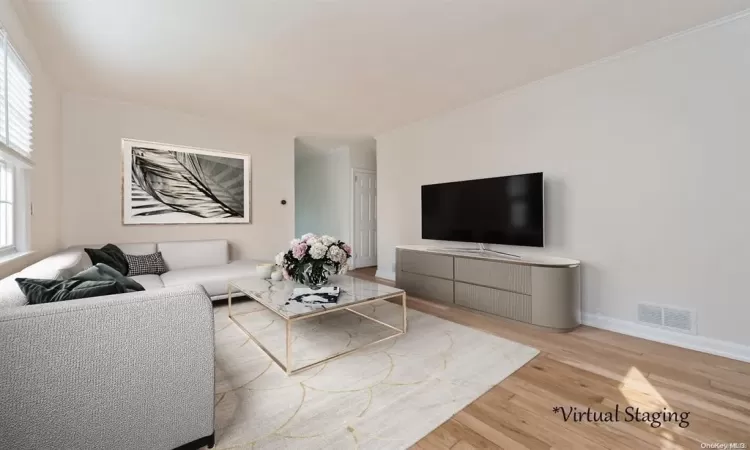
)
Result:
{"points": [[275, 294]]}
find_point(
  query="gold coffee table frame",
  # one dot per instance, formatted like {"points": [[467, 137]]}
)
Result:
{"points": [[287, 367]]}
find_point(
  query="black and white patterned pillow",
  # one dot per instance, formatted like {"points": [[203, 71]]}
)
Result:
{"points": [[152, 264]]}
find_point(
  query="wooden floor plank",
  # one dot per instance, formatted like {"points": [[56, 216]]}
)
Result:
{"points": [[595, 368], [461, 437], [503, 436]]}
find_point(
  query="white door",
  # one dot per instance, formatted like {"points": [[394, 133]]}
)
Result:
{"points": [[365, 224]]}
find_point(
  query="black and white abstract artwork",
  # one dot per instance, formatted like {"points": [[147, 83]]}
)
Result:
{"points": [[169, 184]]}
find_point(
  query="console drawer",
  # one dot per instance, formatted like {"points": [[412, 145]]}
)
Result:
{"points": [[506, 276], [494, 301], [425, 287], [426, 264]]}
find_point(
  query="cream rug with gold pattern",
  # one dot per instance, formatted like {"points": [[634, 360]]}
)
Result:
{"points": [[387, 396]]}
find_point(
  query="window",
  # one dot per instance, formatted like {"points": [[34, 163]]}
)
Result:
{"points": [[15, 147], [7, 216]]}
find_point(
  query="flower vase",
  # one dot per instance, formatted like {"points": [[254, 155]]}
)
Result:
{"points": [[311, 259], [314, 276]]}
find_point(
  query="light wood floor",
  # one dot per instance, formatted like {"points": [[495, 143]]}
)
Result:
{"points": [[589, 367]]}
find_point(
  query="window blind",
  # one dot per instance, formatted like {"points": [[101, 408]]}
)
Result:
{"points": [[15, 98], [18, 114], [3, 88]]}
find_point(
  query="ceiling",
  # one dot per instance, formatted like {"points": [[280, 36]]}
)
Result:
{"points": [[335, 66]]}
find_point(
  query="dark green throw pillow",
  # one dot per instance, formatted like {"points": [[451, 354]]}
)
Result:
{"points": [[102, 272], [47, 291], [110, 255]]}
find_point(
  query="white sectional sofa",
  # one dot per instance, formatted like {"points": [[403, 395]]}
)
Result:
{"points": [[189, 262], [132, 370], [205, 263]]}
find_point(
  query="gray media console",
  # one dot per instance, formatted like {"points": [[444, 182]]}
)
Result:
{"points": [[539, 290]]}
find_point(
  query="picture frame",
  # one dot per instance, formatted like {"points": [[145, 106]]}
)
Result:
{"points": [[165, 184]]}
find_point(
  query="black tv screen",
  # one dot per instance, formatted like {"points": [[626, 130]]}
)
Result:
{"points": [[504, 210]]}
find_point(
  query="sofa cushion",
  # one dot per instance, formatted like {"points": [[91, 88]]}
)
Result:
{"points": [[214, 279], [60, 266], [139, 248], [102, 272], [187, 254], [11, 294], [152, 264], [149, 282], [110, 255], [48, 291]]}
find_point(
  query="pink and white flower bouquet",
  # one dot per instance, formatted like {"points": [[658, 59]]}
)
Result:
{"points": [[311, 259]]}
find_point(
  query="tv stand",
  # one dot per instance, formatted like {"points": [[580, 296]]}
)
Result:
{"points": [[540, 290]]}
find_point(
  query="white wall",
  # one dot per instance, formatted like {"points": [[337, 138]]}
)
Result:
{"points": [[645, 156], [91, 167], [363, 154], [45, 177]]}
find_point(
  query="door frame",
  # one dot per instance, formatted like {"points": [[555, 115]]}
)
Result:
{"points": [[353, 182]]}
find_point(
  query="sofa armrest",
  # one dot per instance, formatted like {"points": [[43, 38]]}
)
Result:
{"points": [[125, 371]]}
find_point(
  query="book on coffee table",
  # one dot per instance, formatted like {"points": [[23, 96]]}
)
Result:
{"points": [[328, 294]]}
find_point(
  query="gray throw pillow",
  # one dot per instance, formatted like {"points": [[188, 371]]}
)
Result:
{"points": [[103, 272], [152, 264], [48, 291]]}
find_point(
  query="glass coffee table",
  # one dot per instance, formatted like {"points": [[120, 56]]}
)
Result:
{"points": [[274, 296]]}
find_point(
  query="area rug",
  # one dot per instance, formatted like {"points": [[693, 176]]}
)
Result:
{"points": [[387, 396]]}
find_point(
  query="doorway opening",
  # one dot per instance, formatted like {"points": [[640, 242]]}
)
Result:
{"points": [[335, 188]]}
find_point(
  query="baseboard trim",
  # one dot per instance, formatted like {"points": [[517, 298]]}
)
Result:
{"points": [[386, 274], [699, 343]]}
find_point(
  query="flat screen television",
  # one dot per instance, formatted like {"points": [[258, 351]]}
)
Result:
{"points": [[503, 210]]}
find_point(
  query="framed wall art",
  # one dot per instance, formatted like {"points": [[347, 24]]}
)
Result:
{"points": [[172, 184]]}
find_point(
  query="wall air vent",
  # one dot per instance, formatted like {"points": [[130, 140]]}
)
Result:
{"points": [[667, 317], [650, 314], [679, 319]]}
